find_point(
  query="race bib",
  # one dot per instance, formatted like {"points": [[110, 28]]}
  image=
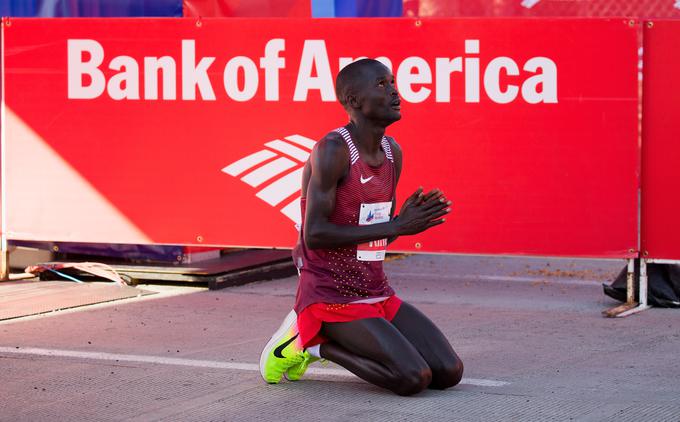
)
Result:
{"points": [[378, 212]]}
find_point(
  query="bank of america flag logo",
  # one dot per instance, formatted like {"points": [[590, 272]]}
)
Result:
{"points": [[277, 172]]}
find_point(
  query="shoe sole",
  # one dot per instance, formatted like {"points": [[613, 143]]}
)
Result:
{"points": [[275, 339]]}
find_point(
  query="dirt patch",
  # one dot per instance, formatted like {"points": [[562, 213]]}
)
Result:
{"points": [[577, 274]]}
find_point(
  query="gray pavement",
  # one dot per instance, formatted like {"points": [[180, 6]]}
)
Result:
{"points": [[529, 331]]}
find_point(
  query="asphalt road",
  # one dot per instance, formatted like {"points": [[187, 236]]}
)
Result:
{"points": [[529, 331]]}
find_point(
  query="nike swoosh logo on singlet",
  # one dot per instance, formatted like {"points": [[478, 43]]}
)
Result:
{"points": [[365, 180], [278, 350]]}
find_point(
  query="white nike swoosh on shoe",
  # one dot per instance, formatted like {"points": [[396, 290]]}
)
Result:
{"points": [[365, 180]]}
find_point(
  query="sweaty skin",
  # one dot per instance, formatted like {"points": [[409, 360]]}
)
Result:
{"points": [[409, 353]]}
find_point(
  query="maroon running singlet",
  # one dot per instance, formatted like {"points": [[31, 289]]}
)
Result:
{"points": [[353, 273]]}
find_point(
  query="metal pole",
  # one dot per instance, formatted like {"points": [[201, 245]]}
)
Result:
{"points": [[630, 282], [4, 250], [631, 307], [642, 294], [4, 259]]}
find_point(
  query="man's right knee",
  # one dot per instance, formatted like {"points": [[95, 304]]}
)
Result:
{"points": [[447, 375], [413, 381]]}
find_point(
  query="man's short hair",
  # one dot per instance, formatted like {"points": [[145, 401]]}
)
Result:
{"points": [[349, 77]]}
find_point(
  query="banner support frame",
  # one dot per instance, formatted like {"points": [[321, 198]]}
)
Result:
{"points": [[631, 306], [642, 293], [4, 249]]}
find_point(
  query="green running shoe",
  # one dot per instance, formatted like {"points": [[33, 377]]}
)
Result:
{"points": [[282, 351], [296, 372]]}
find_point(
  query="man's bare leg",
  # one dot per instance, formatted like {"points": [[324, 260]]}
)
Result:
{"points": [[446, 366], [376, 351]]}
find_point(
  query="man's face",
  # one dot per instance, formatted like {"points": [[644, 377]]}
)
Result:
{"points": [[378, 95]]}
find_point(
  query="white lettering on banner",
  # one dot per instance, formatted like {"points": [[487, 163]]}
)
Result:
{"points": [[443, 69], [471, 72], [406, 77], [125, 84], [547, 79], [314, 55], [231, 78], [492, 80], [271, 63], [194, 75], [535, 83], [77, 68], [151, 67]]}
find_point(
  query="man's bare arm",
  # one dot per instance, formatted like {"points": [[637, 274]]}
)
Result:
{"points": [[329, 164], [398, 160]]}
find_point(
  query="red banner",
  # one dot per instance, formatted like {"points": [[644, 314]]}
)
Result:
{"points": [[660, 134], [195, 131], [542, 8]]}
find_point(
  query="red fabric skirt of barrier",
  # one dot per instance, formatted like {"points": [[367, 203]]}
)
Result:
{"points": [[660, 134], [193, 131]]}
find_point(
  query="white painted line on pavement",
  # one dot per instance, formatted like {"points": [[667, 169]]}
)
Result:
{"points": [[475, 277], [197, 363]]}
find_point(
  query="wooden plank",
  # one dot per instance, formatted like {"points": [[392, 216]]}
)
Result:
{"points": [[18, 299]]}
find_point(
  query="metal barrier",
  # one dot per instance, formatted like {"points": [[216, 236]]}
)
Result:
{"points": [[536, 141]]}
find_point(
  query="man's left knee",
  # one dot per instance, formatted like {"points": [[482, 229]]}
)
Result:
{"points": [[447, 374]]}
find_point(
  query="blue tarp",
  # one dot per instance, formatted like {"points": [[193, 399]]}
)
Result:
{"points": [[173, 8], [356, 8], [90, 8]]}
